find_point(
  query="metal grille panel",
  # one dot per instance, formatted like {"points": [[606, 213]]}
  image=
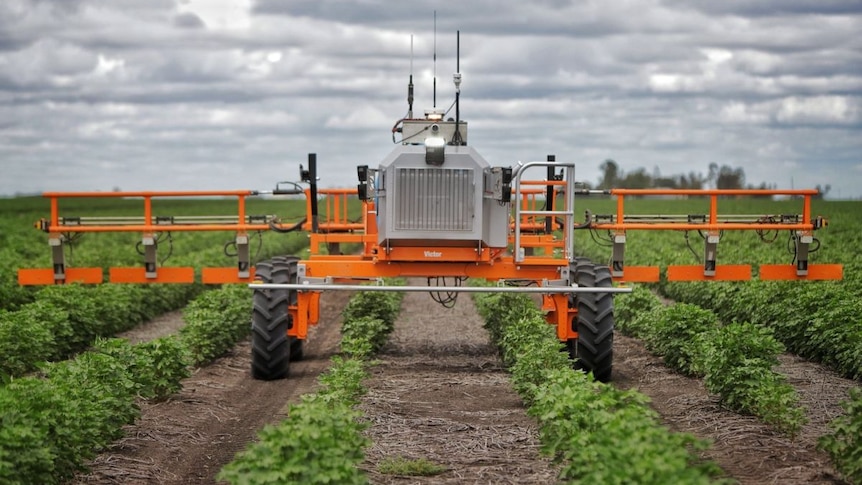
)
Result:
{"points": [[434, 199]]}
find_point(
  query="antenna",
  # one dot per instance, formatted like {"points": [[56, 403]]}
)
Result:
{"points": [[410, 84], [435, 59], [456, 140]]}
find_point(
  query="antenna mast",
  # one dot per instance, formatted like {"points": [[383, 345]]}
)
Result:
{"points": [[456, 140], [410, 84], [435, 60]]}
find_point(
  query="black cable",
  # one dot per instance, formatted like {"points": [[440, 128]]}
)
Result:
{"points": [[273, 225], [688, 245], [451, 297]]}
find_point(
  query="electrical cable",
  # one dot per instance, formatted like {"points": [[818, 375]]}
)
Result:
{"points": [[447, 298]]}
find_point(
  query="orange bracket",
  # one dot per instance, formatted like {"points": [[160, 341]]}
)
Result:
{"points": [[726, 272], [306, 312], [45, 276], [562, 316], [219, 276], [788, 272], [640, 274], [164, 275]]}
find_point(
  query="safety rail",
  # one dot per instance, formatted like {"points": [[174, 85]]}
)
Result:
{"points": [[568, 184]]}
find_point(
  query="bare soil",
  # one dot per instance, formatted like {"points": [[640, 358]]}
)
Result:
{"points": [[163, 325], [189, 437], [745, 448], [441, 393]]}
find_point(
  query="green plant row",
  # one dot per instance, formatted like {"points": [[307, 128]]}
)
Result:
{"points": [[52, 423], [735, 360], [64, 319], [598, 434], [321, 441], [844, 443], [820, 321]]}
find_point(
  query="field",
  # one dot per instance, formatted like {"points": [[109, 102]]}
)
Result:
{"points": [[440, 392]]}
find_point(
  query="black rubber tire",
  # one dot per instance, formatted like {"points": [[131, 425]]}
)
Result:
{"points": [[270, 320], [593, 350]]}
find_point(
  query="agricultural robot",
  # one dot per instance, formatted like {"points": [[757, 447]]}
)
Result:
{"points": [[434, 209]]}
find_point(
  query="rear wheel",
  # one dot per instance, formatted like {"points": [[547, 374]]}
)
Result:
{"points": [[270, 320], [593, 350]]}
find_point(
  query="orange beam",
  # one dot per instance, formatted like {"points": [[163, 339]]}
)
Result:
{"points": [[788, 272], [725, 272], [640, 274], [151, 193], [713, 192], [45, 276], [163, 275], [219, 276], [160, 228], [685, 226]]}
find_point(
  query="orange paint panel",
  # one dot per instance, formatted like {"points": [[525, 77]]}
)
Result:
{"points": [[726, 272], [163, 275], [219, 276], [640, 274], [35, 276], [45, 276], [90, 276], [788, 272]]}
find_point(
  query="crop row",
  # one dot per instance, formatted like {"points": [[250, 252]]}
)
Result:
{"points": [[597, 433], [51, 423], [821, 321], [321, 441], [735, 360], [64, 319]]}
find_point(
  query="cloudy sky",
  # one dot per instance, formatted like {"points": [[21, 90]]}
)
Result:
{"points": [[232, 94]]}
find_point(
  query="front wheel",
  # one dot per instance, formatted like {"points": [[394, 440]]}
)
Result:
{"points": [[270, 320], [593, 350]]}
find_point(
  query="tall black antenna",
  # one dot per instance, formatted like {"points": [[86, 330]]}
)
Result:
{"points": [[456, 140], [435, 59], [410, 84]]}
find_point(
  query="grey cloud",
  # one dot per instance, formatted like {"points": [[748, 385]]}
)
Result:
{"points": [[188, 20]]}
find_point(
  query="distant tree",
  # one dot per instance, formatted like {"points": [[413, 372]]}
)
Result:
{"points": [[822, 191], [712, 175], [639, 179], [729, 177], [610, 174]]}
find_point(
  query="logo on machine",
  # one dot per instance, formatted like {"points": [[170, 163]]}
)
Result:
{"points": [[433, 254]]}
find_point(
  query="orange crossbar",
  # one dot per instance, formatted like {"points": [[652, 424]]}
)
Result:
{"points": [[724, 272], [163, 275], [219, 276], [712, 224], [788, 272], [45, 276], [640, 274]]}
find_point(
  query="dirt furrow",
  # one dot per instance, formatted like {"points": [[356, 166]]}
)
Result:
{"points": [[189, 437], [441, 393], [747, 449]]}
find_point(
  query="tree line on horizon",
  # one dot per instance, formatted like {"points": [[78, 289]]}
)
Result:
{"points": [[716, 177]]}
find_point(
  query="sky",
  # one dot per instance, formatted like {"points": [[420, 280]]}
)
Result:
{"points": [[233, 94]]}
